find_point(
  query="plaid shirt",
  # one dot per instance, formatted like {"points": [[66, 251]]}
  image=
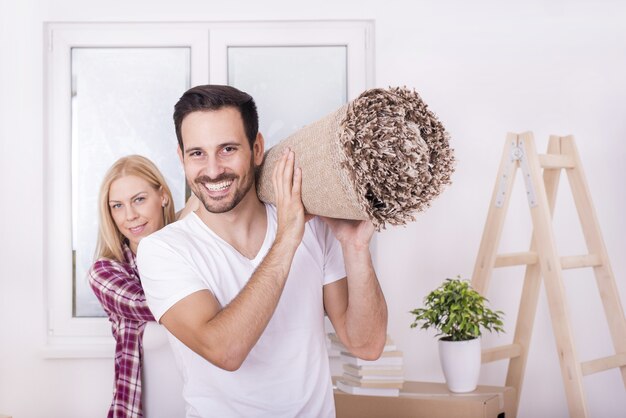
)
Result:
{"points": [[118, 288]]}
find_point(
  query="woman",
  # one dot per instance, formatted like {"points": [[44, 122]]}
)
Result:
{"points": [[134, 202]]}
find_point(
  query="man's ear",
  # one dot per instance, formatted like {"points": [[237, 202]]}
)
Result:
{"points": [[258, 148]]}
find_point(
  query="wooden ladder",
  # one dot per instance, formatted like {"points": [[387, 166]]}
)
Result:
{"points": [[542, 260]]}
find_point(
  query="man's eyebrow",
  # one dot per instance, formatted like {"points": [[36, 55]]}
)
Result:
{"points": [[228, 143], [192, 149]]}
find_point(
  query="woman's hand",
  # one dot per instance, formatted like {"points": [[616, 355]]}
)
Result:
{"points": [[192, 205]]}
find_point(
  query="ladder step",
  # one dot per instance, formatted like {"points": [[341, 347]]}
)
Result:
{"points": [[500, 353], [530, 257], [602, 364], [516, 259], [580, 261], [556, 161]]}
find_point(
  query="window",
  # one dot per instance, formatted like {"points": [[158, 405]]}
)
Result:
{"points": [[107, 123], [110, 92]]}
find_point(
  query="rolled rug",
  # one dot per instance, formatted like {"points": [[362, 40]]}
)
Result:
{"points": [[383, 156]]}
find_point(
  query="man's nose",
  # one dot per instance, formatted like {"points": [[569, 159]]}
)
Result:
{"points": [[214, 168]]}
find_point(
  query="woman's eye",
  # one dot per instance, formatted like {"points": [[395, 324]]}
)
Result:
{"points": [[140, 199], [116, 206]]}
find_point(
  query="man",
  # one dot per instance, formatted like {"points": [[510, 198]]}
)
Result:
{"points": [[242, 286]]}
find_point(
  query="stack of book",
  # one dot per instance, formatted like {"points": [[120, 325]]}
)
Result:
{"points": [[381, 377]]}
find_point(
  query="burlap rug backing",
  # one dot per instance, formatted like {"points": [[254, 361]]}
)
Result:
{"points": [[384, 156]]}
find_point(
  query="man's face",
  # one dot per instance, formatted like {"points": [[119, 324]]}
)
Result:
{"points": [[218, 162]]}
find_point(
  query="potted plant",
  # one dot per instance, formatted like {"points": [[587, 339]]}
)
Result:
{"points": [[459, 314]]}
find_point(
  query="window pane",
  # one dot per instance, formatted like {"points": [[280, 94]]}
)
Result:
{"points": [[292, 86], [122, 103]]}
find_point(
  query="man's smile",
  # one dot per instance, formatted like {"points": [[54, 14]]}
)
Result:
{"points": [[217, 187]]}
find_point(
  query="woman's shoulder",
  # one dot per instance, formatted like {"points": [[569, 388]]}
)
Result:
{"points": [[105, 266], [105, 263]]}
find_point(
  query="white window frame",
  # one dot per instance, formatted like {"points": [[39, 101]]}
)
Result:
{"points": [[72, 337], [355, 35]]}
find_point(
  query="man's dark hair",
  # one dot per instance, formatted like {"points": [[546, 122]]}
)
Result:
{"points": [[215, 97]]}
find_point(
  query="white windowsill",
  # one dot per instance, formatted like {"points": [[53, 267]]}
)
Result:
{"points": [[84, 349]]}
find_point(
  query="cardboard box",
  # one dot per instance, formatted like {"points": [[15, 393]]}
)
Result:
{"points": [[429, 400]]}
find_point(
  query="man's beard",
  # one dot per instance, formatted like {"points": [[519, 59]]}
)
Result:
{"points": [[221, 205]]}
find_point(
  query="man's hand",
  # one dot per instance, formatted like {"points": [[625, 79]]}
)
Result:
{"points": [[356, 234], [287, 181]]}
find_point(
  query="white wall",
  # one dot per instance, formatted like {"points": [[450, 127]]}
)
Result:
{"points": [[484, 67]]}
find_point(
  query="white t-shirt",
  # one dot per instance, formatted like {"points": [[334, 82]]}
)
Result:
{"points": [[287, 373]]}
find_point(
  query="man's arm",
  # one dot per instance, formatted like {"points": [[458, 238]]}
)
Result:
{"points": [[225, 335], [356, 305]]}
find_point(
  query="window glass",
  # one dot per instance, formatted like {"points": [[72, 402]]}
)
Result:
{"points": [[122, 104], [292, 86]]}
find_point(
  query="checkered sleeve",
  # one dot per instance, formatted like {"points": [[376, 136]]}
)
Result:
{"points": [[119, 291]]}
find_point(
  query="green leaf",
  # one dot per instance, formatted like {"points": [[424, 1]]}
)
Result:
{"points": [[456, 310]]}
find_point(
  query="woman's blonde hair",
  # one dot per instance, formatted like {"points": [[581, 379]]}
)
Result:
{"points": [[110, 239]]}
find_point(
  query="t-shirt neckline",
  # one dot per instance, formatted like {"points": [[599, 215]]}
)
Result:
{"points": [[264, 246]]}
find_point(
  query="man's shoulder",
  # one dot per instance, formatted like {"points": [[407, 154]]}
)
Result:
{"points": [[174, 234], [319, 228], [177, 228], [315, 227]]}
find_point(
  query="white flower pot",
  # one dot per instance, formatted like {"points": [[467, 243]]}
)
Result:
{"points": [[460, 361]]}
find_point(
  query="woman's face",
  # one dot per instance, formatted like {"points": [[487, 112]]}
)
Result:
{"points": [[136, 208]]}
